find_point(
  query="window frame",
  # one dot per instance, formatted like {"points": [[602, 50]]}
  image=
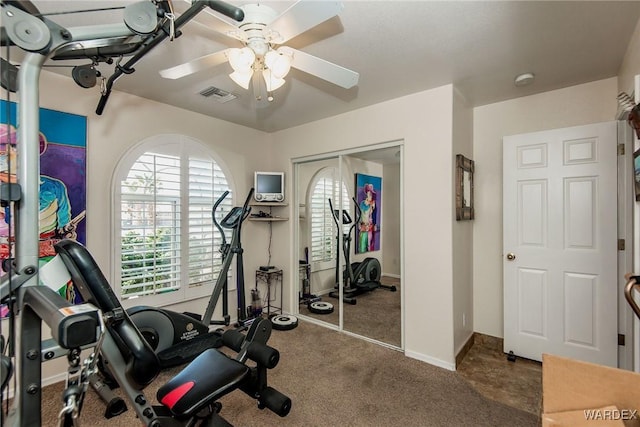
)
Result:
{"points": [[185, 148]]}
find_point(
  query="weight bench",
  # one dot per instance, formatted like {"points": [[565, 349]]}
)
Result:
{"points": [[193, 393]]}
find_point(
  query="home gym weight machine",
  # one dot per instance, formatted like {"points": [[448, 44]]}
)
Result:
{"points": [[145, 25], [358, 277], [73, 328], [191, 397]]}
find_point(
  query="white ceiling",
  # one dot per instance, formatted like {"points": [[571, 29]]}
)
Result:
{"points": [[398, 47]]}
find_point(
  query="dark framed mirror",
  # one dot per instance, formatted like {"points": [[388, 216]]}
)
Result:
{"points": [[464, 188]]}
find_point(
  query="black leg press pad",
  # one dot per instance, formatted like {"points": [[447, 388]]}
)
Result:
{"points": [[209, 377]]}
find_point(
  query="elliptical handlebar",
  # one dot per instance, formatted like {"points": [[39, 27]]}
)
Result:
{"points": [[246, 209], [345, 216], [333, 213], [358, 215], [358, 210], [215, 222]]}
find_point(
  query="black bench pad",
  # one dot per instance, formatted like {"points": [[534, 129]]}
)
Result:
{"points": [[210, 376]]}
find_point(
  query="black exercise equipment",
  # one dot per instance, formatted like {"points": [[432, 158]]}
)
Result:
{"points": [[358, 277], [178, 338], [233, 221], [73, 328], [190, 398], [6, 367]]}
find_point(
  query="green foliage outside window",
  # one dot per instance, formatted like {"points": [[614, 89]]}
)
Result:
{"points": [[146, 262]]}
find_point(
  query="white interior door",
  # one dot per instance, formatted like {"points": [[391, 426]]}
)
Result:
{"points": [[560, 243]]}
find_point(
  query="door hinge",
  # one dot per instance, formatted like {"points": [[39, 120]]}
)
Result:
{"points": [[621, 244], [620, 339], [620, 149]]}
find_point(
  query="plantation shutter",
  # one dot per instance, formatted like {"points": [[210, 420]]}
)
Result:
{"points": [[159, 250], [323, 235], [207, 182], [150, 213]]}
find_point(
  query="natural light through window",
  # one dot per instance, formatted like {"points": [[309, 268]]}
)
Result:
{"points": [[168, 242]]}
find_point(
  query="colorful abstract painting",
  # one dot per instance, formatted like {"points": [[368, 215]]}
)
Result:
{"points": [[63, 142], [369, 198]]}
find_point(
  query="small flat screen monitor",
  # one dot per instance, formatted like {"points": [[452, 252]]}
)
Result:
{"points": [[269, 186]]}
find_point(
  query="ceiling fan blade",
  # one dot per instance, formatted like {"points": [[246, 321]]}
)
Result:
{"points": [[326, 70], [300, 17], [207, 61]]}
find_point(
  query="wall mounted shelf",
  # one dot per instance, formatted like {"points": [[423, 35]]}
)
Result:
{"points": [[268, 219], [273, 214]]}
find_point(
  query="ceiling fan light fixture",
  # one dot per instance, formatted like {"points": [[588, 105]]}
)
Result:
{"points": [[242, 79], [241, 60], [278, 62], [272, 82]]}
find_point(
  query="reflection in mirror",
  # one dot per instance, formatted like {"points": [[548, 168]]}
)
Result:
{"points": [[374, 313], [374, 256], [317, 246]]}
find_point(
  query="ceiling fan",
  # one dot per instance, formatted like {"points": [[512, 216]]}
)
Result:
{"points": [[263, 60]]}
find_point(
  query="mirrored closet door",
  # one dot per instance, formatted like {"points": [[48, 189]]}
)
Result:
{"points": [[354, 242], [317, 183]]}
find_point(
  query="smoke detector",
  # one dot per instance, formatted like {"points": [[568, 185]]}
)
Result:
{"points": [[524, 79]]}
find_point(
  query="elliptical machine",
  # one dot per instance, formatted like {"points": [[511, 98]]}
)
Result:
{"points": [[233, 221], [358, 277], [178, 338]]}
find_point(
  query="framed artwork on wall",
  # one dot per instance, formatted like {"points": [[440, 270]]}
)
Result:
{"points": [[464, 188], [369, 199], [63, 142]]}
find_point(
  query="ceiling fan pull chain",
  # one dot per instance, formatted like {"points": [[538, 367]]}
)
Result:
{"points": [[172, 31]]}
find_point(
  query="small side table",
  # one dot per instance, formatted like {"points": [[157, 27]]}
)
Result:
{"points": [[270, 277]]}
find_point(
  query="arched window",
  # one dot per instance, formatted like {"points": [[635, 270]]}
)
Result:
{"points": [[325, 185], [165, 241]]}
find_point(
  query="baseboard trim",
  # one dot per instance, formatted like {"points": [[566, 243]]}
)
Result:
{"points": [[395, 276], [431, 360], [465, 349], [489, 341]]}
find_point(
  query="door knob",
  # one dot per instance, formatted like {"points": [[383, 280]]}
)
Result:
{"points": [[511, 256]]}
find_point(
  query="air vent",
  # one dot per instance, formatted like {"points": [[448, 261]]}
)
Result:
{"points": [[218, 94]]}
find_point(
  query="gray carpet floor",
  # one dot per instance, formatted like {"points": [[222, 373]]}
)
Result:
{"points": [[336, 379]]}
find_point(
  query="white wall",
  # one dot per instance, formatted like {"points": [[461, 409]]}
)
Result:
{"points": [[578, 105], [631, 63], [424, 122], [462, 231]]}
